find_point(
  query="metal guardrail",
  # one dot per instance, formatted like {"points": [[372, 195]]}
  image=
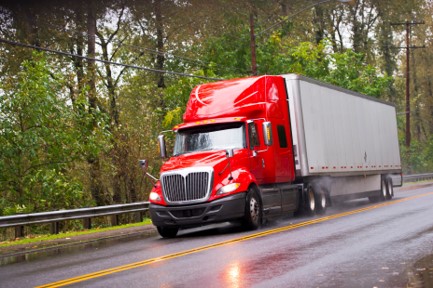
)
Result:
{"points": [[86, 214], [417, 177], [55, 217]]}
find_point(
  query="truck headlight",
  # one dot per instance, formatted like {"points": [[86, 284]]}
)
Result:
{"points": [[229, 188], [153, 196]]}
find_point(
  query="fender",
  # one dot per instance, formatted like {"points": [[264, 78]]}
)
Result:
{"points": [[240, 176]]}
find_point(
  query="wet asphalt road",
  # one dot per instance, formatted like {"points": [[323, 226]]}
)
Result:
{"points": [[356, 244]]}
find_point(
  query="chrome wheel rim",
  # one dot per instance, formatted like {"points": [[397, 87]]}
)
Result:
{"points": [[383, 189], [254, 210], [323, 201], [311, 200]]}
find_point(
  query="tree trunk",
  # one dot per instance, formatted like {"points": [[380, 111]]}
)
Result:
{"points": [[319, 22], [96, 185], [160, 58]]}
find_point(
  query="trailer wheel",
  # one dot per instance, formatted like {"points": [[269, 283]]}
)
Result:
{"points": [[383, 189], [167, 232], [253, 210], [389, 189], [310, 200], [321, 202]]}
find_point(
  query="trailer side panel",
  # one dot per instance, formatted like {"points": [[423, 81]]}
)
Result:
{"points": [[341, 132]]}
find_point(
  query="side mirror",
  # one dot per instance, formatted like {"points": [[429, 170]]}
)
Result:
{"points": [[144, 165], [267, 133], [162, 146]]}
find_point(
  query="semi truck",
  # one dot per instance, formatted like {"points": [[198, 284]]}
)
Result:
{"points": [[255, 148]]}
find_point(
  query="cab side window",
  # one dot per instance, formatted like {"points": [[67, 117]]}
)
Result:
{"points": [[282, 136], [253, 135]]}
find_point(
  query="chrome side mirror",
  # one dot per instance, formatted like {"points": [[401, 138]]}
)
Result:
{"points": [[144, 164], [162, 146]]}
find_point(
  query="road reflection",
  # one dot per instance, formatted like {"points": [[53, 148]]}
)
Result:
{"points": [[233, 276]]}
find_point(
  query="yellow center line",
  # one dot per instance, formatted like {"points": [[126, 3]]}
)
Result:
{"points": [[117, 269]]}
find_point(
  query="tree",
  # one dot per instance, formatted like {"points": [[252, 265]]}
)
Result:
{"points": [[38, 143]]}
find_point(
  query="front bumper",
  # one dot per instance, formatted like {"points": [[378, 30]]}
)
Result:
{"points": [[221, 210]]}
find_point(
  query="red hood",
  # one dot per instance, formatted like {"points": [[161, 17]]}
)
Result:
{"points": [[208, 158]]}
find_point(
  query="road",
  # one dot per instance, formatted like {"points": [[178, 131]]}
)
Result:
{"points": [[357, 244]]}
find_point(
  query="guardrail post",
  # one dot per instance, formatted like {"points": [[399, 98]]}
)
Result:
{"points": [[87, 223], [19, 231], [114, 220], [138, 217], [55, 228]]}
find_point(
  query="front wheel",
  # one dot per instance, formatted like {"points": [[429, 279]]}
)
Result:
{"points": [[253, 210], [167, 232]]}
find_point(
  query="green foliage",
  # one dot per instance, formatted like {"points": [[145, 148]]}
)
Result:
{"points": [[275, 55], [175, 97], [51, 137], [345, 69], [229, 54], [418, 158], [350, 71], [309, 59], [37, 142]]}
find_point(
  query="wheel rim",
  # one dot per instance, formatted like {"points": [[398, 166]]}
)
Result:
{"points": [[322, 201], [390, 189], [311, 200], [383, 189], [254, 210]]}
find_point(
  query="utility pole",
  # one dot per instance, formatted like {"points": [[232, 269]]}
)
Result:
{"points": [[408, 25], [253, 44]]}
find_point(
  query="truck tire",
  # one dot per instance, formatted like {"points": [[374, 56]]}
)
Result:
{"points": [[382, 195], [321, 201], [310, 200], [383, 190], [389, 189], [167, 232], [253, 210]]}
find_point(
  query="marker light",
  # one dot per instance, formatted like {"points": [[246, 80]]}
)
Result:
{"points": [[229, 188]]}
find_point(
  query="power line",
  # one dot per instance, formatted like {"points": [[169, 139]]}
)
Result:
{"points": [[19, 44], [154, 52]]}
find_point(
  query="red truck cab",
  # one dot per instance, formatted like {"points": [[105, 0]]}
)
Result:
{"points": [[232, 160]]}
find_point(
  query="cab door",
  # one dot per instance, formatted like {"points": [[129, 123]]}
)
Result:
{"points": [[262, 168], [256, 150]]}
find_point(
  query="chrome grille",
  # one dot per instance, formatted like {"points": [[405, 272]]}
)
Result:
{"points": [[187, 185]]}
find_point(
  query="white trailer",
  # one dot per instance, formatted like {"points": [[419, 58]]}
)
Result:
{"points": [[344, 140]]}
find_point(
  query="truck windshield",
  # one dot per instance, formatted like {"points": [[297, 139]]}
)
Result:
{"points": [[211, 137]]}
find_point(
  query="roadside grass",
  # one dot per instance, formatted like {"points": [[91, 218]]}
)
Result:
{"points": [[29, 239]]}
